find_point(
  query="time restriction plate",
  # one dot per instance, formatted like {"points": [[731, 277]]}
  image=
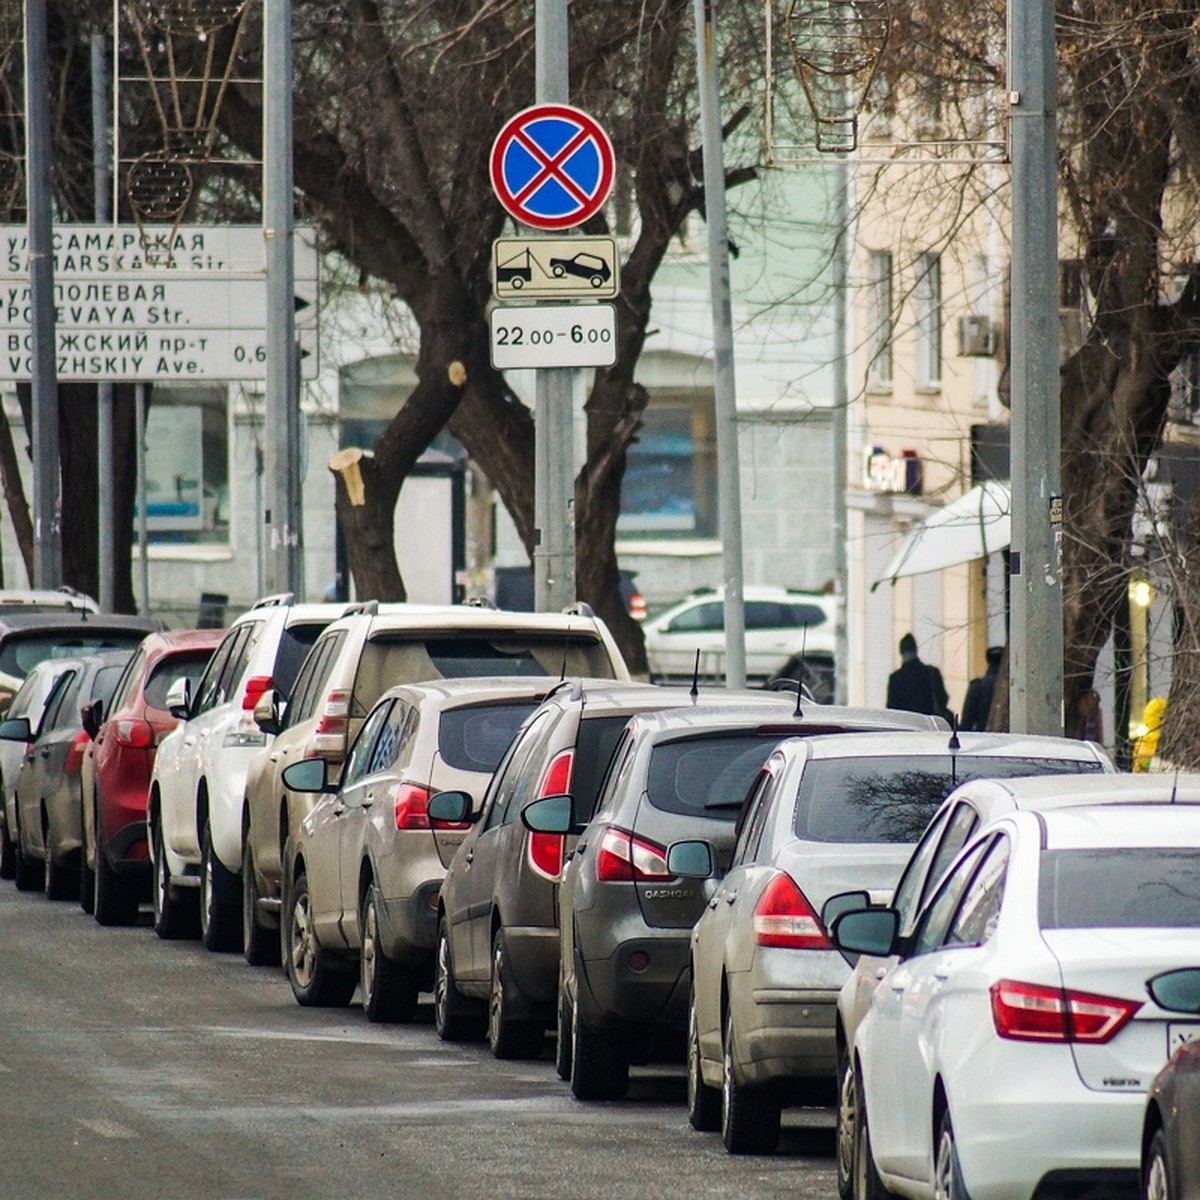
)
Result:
{"points": [[553, 335]]}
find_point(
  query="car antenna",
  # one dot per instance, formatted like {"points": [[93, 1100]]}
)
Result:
{"points": [[800, 673], [1175, 786], [695, 692], [954, 746]]}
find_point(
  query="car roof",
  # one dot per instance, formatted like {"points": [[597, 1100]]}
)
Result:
{"points": [[17, 622], [1008, 745], [178, 641], [41, 599], [1111, 827], [469, 617], [1042, 793], [454, 693], [757, 591], [295, 614]]}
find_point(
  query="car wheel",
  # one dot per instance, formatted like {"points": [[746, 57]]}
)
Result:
{"points": [[29, 873], [8, 854], [867, 1184], [749, 1115], [61, 880], [220, 917], [947, 1172], [1156, 1173], [558, 271], [260, 945], [175, 912], [317, 980], [562, 1045], [847, 1122], [704, 1101], [115, 899], [509, 1038], [389, 989], [455, 1017], [599, 1061]]}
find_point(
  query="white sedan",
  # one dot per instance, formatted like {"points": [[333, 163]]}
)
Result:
{"points": [[1009, 1049]]}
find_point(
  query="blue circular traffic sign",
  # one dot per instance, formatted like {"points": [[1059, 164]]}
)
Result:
{"points": [[552, 166]]}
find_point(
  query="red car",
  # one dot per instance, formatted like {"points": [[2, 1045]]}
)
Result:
{"points": [[116, 771]]}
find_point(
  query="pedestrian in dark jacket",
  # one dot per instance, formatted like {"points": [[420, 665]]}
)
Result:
{"points": [[978, 703], [916, 686]]}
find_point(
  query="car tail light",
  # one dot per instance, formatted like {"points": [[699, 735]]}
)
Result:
{"points": [[412, 807], [1033, 1012], [138, 734], [546, 850], [784, 917], [330, 733], [256, 685], [637, 606], [73, 763], [622, 856]]}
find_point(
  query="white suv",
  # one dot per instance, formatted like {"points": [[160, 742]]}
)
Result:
{"points": [[194, 809], [782, 628]]}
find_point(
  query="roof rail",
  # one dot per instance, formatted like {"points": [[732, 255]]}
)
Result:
{"points": [[369, 607], [579, 609], [481, 602], [278, 600]]}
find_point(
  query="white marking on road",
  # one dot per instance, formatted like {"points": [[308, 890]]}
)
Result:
{"points": [[108, 1129], [5, 1070]]}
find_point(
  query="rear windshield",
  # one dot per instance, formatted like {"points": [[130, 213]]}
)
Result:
{"points": [[707, 776], [475, 738], [178, 666], [892, 799], [296, 642], [18, 655], [387, 661], [1128, 888]]}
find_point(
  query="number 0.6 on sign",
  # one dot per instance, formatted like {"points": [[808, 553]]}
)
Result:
{"points": [[553, 335]]}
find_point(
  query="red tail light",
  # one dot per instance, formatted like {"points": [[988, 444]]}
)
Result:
{"points": [[256, 685], [557, 779], [138, 734], [784, 917], [637, 606], [622, 856], [73, 763], [412, 807], [330, 733], [1033, 1012], [546, 850]]}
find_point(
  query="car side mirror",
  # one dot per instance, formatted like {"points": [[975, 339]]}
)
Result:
{"points": [[695, 859], [843, 902], [16, 729], [452, 808], [1176, 991], [179, 698], [266, 712], [867, 931], [91, 717], [550, 814], [307, 775]]}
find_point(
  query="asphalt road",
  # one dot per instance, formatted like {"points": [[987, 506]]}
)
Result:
{"points": [[132, 1067]]}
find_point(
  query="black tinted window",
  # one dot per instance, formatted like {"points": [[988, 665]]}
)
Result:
{"points": [[296, 642], [1127, 888], [18, 655], [178, 666], [475, 738], [892, 799], [595, 745], [707, 775]]}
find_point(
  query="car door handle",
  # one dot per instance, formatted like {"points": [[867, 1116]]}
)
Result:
{"points": [[730, 897], [338, 809], [273, 757], [469, 857], [880, 973], [713, 902], [580, 847], [368, 800]]}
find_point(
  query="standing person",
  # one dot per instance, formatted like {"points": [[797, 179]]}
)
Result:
{"points": [[916, 686], [978, 702]]}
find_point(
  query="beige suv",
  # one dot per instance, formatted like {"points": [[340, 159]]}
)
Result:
{"points": [[351, 665]]}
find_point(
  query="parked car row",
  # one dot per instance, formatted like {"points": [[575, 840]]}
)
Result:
{"points": [[980, 949]]}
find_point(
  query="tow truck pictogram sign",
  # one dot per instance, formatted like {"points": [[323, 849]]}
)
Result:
{"points": [[569, 268]]}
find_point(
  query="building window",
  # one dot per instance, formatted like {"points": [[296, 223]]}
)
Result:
{"points": [[927, 296], [670, 483], [879, 315], [187, 465], [1185, 390]]}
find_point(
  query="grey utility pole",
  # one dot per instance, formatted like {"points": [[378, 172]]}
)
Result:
{"points": [[102, 191], [729, 498], [554, 404], [840, 418], [280, 510], [1036, 638]]}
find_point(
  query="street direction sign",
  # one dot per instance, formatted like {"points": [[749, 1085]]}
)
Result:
{"points": [[552, 166], [553, 335], [542, 268]]}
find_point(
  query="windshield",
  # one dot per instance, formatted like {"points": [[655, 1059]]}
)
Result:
{"points": [[1127, 888], [18, 655]]}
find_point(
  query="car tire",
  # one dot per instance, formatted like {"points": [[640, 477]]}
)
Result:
{"points": [[455, 1017], [114, 898], [260, 945], [389, 989], [867, 1184], [749, 1115], [509, 1037], [947, 1171], [1156, 1171], [704, 1100], [847, 1125], [220, 916], [599, 1061], [318, 981], [176, 914], [8, 854], [30, 873], [61, 881], [562, 1044]]}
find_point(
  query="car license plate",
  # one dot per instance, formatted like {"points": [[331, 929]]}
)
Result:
{"points": [[1179, 1034]]}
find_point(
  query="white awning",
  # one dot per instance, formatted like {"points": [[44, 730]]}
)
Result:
{"points": [[973, 526]]}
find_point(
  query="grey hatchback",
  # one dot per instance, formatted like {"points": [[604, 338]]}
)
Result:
{"points": [[625, 916]]}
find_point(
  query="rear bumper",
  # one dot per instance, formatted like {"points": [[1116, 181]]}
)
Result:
{"points": [[644, 981], [408, 924]]}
